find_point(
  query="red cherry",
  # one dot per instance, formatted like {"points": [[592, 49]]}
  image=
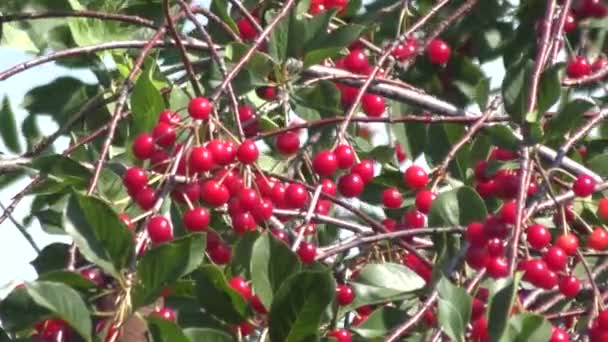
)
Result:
{"points": [[222, 152], [535, 270], [169, 117], [280, 234], [356, 61], [598, 240], [555, 258], [424, 200], [538, 236], [247, 31], [558, 335], [164, 134], [351, 185], [413, 219], [243, 223], [262, 211], [479, 332], [323, 207], [245, 328], [508, 212], [583, 186], [406, 50], [196, 219], [316, 7], [296, 195], [143, 146], [159, 161], [578, 67], [476, 257], [344, 294], [602, 209], [201, 159], [486, 189], [135, 179], [307, 252], [328, 187], [258, 306], [569, 286], [602, 320], [159, 229], [199, 108], [247, 152], [325, 163], [339, 4], [214, 193], [391, 198], [593, 8], [599, 64], [94, 275], [415, 177], [220, 254], [264, 184], [126, 220], [549, 281], [348, 95], [497, 267], [475, 234], [438, 51], [165, 313], [373, 105], [240, 285], [494, 228], [340, 335], [400, 152], [495, 247], [288, 143], [345, 156], [567, 242], [267, 93], [145, 198], [248, 198], [507, 185], [570, 23], [278, 195], [365, 169]]}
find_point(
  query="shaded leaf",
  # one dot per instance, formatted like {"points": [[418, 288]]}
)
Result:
{"points": [[380, 322], [52, 257], [454, 309], [502, 297], [456, 207], [217, 297], [207, 335], [146, 102], [8, 127]]}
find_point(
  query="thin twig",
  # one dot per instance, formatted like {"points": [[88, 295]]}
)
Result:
{"points": [[130, 19], [22, 230]]}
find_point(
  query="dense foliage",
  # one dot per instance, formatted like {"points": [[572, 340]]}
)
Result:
{"points": [[309, 170]]}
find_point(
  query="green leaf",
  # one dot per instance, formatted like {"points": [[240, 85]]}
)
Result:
{"points": [[379, 283], [207, 335], [295, 314], [240, 264], [220, 8], [259, 64], [568, 118], [62, 168], [454, 309], [163, 330], [460, 206], [599, 164], [528, 327], [98, 233], [501, 299], [502, 136], [63, 302], [18, 311], [8, 127], [272, 262], [339, 38], [217, 297], [279, 37], [163, 265], [72, 279], [319, 55], [514, 89], [323, 97], [380, 322], [549, 88], [146, 102], [482, 92], [52, 257], [14, 38]]}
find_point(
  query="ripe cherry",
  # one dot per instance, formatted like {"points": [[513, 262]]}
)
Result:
{"points": [[288, 143], [570, 23], [534, 271], [345, 294], [424, 200], [599, 64], [159, 161], [258, 306], [278, 195], [169, 117], [555, 258], [508, 212], [373, 105], [569, 286], [247, 31], [145, 198], [497, 267], [578, 67], [495, 247], [602, 209], [248, 198], [220, 254], [262, 211], [345, 156], [340, 335], [438, 51], [316, 7], [222, 152], [199, 108], [351, 185], [598, 240], [280, 234], [558, 335], [296, 196], [328, 187], [307, 252], [494, 228], [94, 275], [196, 219], [126, 220], [391, 198], [164, 134], [479, 331], [267, 93], [602, 320], [538, 236], [143, 146], [325, 163], [165, 313], [214, 193], [201, 159], [583, 186], [356, 61], [247, 152], [245, 328], [365, 169], [159, 229], [413, 219], [567, 242], [415, 177], [476, 257], [341, 5], [135, 179], [400, 152], [243, 222], [240, 285], [406, 50], [475, 234]]}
